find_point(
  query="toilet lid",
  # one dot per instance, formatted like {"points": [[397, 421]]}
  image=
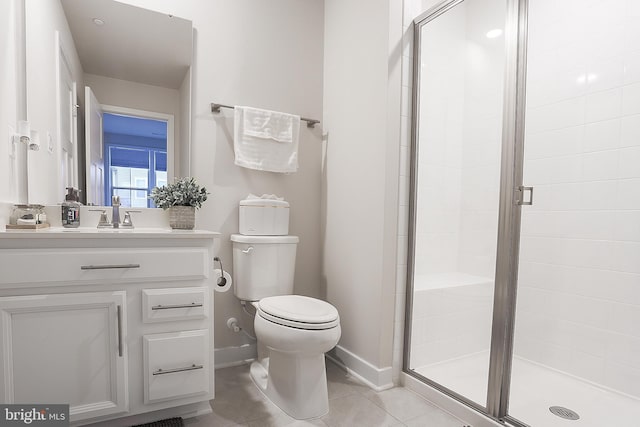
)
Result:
{"points": [[299, 312]]}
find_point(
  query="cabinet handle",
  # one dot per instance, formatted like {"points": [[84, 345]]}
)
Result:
{"points": [[167, 307], [119, 331], [108, 266], [171, 371]]}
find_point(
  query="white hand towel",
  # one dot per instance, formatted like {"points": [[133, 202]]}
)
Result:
{"points": [[266, 140], [268, 124]]}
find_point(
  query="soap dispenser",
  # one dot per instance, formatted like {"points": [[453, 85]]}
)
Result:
{"points": [[71, 209]]}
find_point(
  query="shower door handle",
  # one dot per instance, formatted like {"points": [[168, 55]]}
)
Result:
{"points": [[520, 197]]}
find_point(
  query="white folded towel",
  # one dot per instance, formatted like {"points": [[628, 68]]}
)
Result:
{"points": [[266, 140]]}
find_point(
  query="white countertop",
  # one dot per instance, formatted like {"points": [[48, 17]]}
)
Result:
{"points": [[92, 233]]}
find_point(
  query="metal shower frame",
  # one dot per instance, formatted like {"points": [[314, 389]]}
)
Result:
{"points": [[511, 200]]}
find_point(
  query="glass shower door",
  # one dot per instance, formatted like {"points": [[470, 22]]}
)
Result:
{"points": [[458, 78], [577, 333]]}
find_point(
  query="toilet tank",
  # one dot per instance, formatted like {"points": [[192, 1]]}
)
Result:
{"points": [[263, 266]]}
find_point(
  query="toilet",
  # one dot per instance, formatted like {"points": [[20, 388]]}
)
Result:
{"points": [[293, 331]]}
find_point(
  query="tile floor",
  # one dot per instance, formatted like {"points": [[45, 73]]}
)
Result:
{"points": [[351, 404]]}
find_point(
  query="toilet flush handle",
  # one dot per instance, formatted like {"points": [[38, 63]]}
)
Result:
{"points": [[249, 249]]}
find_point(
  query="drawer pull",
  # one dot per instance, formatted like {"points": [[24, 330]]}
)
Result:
{"points": [[108, 266], [171, 371], [168, 307]]}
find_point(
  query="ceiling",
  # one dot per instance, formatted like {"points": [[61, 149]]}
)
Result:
{"points": [[128, 125], [134, 44]]}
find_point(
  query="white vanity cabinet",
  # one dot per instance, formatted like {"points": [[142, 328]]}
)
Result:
{"points": [[66, 348], [119, 325]]}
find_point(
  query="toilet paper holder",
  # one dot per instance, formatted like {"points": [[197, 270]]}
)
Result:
{"points": [[222, 281]]}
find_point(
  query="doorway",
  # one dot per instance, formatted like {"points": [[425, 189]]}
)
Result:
{"points": [[128, 152]]}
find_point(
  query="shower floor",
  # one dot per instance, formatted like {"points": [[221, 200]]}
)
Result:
{"points": [[534, 388]]}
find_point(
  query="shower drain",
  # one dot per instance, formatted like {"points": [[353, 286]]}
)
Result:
{"points": [[565, 413]]}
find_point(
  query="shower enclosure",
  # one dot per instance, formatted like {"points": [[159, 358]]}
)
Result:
{"points": [[527, 308]]}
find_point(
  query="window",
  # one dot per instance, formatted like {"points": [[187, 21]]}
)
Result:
{"points": [[135, 162], [133, 172]]}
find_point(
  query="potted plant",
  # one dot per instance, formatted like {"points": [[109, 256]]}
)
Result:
{"points": [[182, 198]]}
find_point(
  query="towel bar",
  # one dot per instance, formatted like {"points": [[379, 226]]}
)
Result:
{"points": [[215, 108]]}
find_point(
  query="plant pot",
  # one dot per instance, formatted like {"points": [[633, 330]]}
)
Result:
{"points": [[182, 217]]}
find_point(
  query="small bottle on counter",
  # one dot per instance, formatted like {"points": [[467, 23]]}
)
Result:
{"points": [[71, 209]]}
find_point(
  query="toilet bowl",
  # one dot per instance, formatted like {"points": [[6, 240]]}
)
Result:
{"points": [[293, 332], [291, 370]]}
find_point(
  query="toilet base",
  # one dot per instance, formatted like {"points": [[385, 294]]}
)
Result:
{"points": [[297, 384]]}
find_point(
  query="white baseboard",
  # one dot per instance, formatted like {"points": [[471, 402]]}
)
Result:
{"points": [[234, 356], [377, 378], [448, 404]]}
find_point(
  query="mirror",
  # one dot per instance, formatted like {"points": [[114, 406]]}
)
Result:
{"points": [[109, 91]]}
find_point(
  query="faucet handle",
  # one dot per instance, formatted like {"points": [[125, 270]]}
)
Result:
{"points": [[127, 222], [104, 221]]}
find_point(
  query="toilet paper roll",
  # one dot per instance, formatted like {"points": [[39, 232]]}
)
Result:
{"points": [[222, 283]]}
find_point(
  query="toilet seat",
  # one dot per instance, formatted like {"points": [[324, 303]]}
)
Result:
{"points": [[300, 312]]}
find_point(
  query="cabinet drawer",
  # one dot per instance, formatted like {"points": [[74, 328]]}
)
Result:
{"points": [[176, 365], [31, 267], [170, 304]]}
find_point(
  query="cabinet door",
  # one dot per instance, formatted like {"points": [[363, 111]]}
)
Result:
{"points": [[65, 348]]}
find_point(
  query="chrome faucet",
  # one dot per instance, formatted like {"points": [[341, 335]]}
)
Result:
{"points": [[127, 222], [115, 217]]}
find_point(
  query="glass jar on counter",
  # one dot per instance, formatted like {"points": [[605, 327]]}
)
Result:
{"points": [[28, 215]]}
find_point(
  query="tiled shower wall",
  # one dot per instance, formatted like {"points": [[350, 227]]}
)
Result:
{"points": [[579, 285], [458, 183], [441, 123], [481, 148]]}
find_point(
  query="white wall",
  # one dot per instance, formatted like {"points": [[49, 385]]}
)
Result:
{"points": [[268, 55], [11, 106], [44, 18], [579, 284], [123, 93], [362, 58]]}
